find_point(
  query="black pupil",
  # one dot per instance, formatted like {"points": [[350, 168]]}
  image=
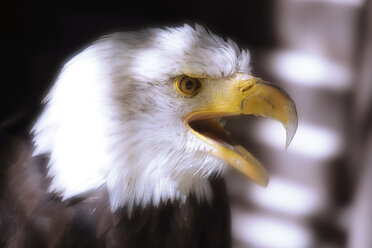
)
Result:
{"points": [[189, 85]]}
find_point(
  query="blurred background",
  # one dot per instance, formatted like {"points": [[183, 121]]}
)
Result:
{"points": [[319, 51]]}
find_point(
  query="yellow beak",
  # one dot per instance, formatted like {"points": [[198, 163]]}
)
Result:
{"points": [[244, 95]]}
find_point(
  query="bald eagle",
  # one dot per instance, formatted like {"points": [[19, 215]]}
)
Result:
{"points": [[129, 150]]}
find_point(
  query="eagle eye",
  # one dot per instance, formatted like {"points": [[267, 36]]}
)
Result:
{"points": [[187, 85]]}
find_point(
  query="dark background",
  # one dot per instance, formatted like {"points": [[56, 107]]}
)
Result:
{"points": [[36, 39]]}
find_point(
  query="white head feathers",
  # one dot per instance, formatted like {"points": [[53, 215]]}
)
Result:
{"points": [[112, 117]]}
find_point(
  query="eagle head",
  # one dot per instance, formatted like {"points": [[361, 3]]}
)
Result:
{"points": [[139, 113]]}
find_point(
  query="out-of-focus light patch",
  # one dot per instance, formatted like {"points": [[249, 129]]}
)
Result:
{"points": [[353, 3], [309, 140], [286, 197], [310, 70], [265, 231]]}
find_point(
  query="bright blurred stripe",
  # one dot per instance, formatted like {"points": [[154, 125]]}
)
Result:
{"points": [[310, 140], [351, 3], [308, 69], [287, 198], [264, 231]]}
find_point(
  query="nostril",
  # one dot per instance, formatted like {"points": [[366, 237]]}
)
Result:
{"points": [[246, 88]]}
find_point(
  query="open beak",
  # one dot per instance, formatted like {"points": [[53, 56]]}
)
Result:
{"points": [[245, 95]]}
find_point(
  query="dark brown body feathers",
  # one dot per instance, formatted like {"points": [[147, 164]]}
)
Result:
{"points": [[32, 217]]}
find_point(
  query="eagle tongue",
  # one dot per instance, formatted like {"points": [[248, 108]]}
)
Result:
{"points": [[212, 129]]}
